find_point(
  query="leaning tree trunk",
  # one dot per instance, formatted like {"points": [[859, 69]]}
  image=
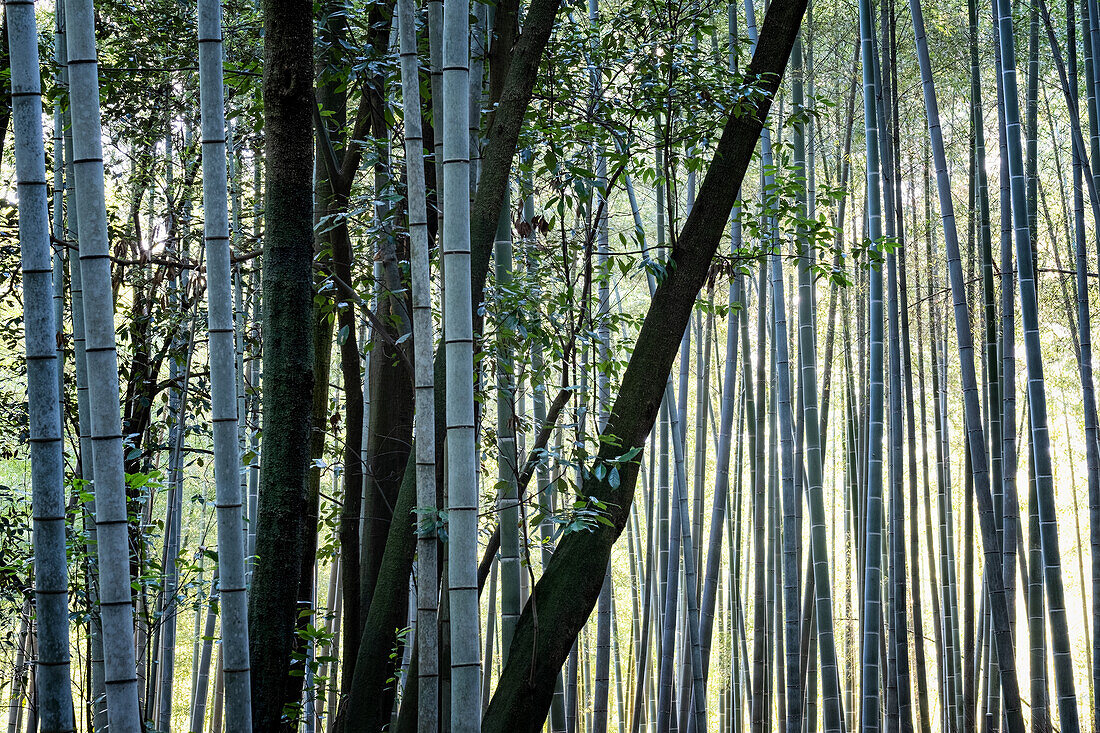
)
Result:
{"points": [[223, 374], [116, 608], [55, 704], [567, 591], [372, 664], [288, 380]]}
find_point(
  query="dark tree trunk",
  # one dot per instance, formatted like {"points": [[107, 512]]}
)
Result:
{"points": [[332, 96], [365, 708], [570, 585], [388, 449], [288, 377]]}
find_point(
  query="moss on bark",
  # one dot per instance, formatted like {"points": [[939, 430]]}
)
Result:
{"points": [[288, 376]]}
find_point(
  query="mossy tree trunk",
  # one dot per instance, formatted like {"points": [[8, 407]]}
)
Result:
{"points": [[288, 376]]}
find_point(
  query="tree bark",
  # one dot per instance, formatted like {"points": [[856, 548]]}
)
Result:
{"points": [[568, 589], [373, 665], [288, 378]]}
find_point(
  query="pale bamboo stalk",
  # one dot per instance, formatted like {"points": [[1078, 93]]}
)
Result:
{"points": [[254, 379], [217, 705], [1085, 358], [19, 669], [40, 326], [177, 401], [223, 376], [571, 704], [616, 656], [718, 517], [427, 612], [479, 48], [545, 488], [792, 627], [30, 723], [435, 75], [57, 202], [202, 670], [309, 685], [668, 629], [692, 651], [332, 627], [196, 645], [872, 584], [773, 595], [120, 670], [490, 635], [703, 347], [462, 493], [603, 387], [95, 629], [240, 325], [507, 455]]}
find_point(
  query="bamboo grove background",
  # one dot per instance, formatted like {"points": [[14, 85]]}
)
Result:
{"points": [[871, 494]]}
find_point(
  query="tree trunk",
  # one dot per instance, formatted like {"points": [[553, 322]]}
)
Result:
{"points": [[568, 589], [288, 378]]}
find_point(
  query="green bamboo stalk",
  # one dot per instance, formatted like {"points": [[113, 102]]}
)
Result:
{"points": [[872, 585], [976, 438], [1036, 387]]}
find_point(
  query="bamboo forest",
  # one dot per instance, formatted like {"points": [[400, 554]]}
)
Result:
{"points": [[564, 366]]}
